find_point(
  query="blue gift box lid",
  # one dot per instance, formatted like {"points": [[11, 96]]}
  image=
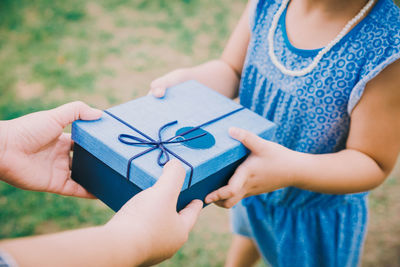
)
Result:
{"points": [[191, 104]]}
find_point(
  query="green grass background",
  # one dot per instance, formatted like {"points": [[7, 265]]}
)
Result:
{"points": [[106, 52]]}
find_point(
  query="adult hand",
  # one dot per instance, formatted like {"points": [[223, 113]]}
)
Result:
{"points": [[145, 231], [149, 222], [35, 153]]}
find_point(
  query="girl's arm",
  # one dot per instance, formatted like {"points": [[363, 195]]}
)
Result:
{"points": [[371, 151], [222, 75], [372, 146]]}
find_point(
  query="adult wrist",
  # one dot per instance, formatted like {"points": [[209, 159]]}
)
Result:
{"points": [[129, 240], [4, 128]]}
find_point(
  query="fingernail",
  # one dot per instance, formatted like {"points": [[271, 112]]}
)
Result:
{"points": [[159, 92], [98, 111], [235, 133], [95, 113], [209, 200]]}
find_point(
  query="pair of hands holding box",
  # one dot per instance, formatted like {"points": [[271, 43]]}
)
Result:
{"points": [[35, 155]]}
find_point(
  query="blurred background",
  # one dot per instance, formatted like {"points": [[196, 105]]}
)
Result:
{"points": [[106, 52]]}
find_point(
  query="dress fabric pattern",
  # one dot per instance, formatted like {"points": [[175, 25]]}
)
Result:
{"points": [[294, 227]]}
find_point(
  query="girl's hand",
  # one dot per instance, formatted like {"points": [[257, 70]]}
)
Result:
{"points": [[160, 85], [35, 153], [267, 168], [148, 226]]}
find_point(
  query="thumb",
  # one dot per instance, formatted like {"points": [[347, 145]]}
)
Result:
{"points": [[73, 111], [171, 181], [190, 214], [235, 184], [248, 139], [159, 86]]}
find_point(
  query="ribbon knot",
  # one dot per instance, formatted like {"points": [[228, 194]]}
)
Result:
{"points": [[163, 156], [160, 143]]}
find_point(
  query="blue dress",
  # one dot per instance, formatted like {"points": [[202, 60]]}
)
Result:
{"points": [[294, 227]]}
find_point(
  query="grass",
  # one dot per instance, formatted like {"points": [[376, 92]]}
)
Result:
{"points": [[103, 52], [84, 49], [106, 52], [26, 213]]}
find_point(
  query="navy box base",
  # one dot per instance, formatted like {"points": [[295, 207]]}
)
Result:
{"points": [[115, 190]]}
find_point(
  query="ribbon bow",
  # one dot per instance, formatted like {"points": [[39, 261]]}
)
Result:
{"points": [[160, 144]]}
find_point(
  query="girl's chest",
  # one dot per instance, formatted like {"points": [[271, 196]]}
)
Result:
{"points": [[328, 86]]}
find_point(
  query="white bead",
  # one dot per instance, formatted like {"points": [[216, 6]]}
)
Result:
{"points": [[321, 53]]}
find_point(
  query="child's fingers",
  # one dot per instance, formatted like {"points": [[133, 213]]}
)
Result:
{"points": [[159, 82], [220, 203], [190, 213], [159, 86], [248, 139], [234, 187], [238, 178], [158, 92], [220, 194], [227, 203]]}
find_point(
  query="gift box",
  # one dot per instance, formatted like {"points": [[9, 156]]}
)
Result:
{"points": [[122, 153]]}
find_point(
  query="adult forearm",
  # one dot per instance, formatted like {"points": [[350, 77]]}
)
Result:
{"points": [[84, 247], [218, 75], [3, 147], [347, 171]]}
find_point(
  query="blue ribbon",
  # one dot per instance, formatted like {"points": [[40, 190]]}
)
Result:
{"points": [[160, 143]]}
